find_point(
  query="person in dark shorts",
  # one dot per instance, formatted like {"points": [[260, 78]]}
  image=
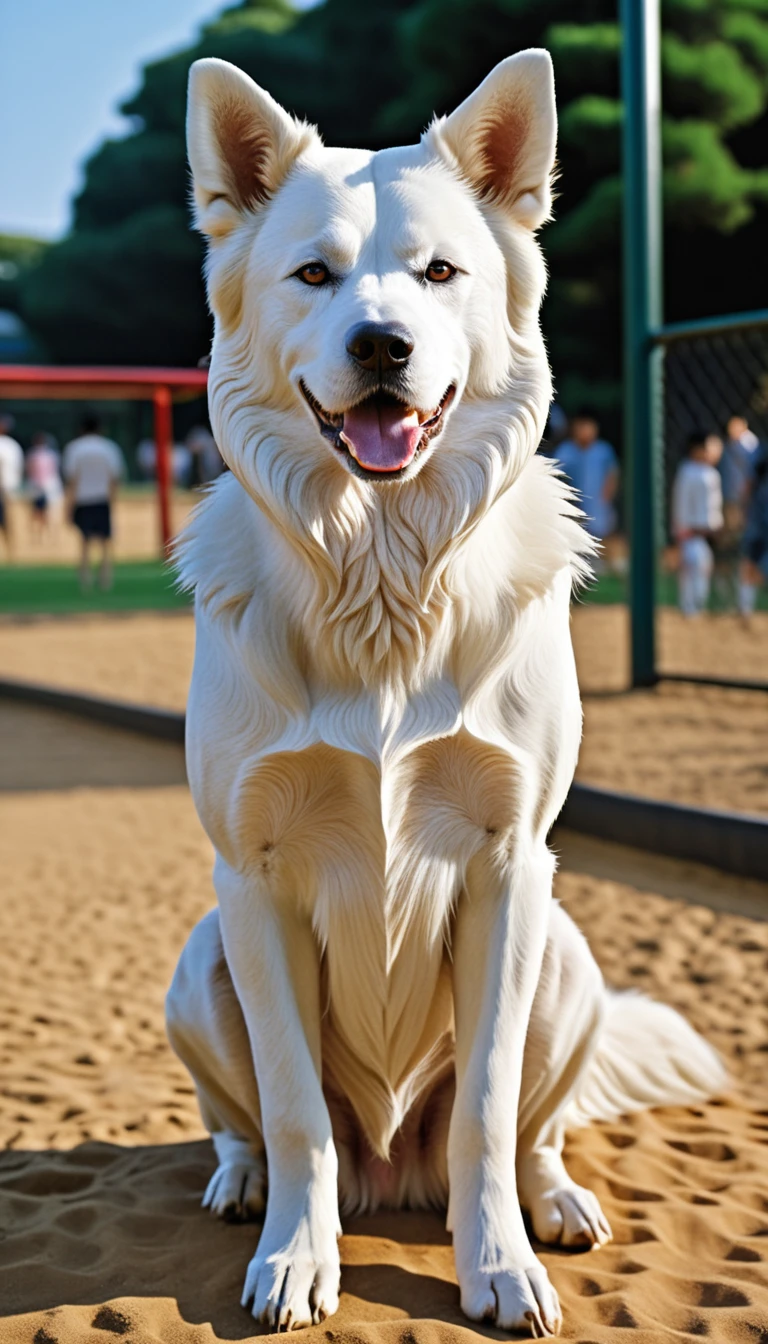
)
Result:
{"points": [[93, 467], [753, 573]]}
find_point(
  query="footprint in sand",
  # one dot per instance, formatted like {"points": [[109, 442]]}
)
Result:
{"points": [[712, 1150], [620, 1138], [116, 1322], [617, 1314], [745, 1254], [78, 1220], [632, 1195], [51, 1180], [720, 1295]]}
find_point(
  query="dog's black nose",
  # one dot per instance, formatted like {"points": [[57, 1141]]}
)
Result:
{"points": [[380, 346]]}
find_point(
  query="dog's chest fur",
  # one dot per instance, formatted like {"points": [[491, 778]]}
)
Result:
{"points": [[377, 853], [362, 804]]}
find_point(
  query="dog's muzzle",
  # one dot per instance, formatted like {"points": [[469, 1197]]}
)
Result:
{"points": [[381, 436]]}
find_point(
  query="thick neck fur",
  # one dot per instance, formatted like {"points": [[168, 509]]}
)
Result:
{"points": [[391, 579], [383, 564]]}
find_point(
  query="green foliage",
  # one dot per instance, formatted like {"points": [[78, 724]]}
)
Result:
{"points": [[127, 294], [704, 186], [126, 284], [18, 255], [710, 79]]}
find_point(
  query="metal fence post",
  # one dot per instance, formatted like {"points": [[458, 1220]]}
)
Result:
{"points": [[163, 424], [641, 90]]}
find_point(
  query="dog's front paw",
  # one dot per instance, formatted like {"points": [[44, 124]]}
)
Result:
{"points": [[287, 1290], [236, 1190], [513, 1299]]}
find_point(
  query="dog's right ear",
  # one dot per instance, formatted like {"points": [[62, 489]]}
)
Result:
{"points": [[240, 143], [502, 137]]}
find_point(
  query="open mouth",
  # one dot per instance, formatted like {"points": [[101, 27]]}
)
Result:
{"points": [[380, 436]]}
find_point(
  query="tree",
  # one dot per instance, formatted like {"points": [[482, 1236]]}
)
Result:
{"points": [[126, 284]]}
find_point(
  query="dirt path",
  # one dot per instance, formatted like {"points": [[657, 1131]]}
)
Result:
{"points": [[106, 1157], [704, 746]]}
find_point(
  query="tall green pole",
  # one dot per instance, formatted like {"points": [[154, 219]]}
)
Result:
{"points": [[641, 90]]}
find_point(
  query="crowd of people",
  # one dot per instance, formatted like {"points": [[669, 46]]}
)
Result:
{"points": [[719, 513], [83, 481], [720, 519]]}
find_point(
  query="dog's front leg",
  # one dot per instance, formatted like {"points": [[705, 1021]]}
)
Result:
{"points": [[498, 946], [293, 1279]]}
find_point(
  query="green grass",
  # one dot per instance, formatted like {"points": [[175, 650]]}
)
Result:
{"points": [[53, 590], [612, 588], [147, 585]]}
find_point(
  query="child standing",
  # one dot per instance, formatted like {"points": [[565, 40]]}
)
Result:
{"points": [[697, 515]]}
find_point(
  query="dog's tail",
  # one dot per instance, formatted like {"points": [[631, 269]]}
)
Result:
{"points": [[646, 1055]]}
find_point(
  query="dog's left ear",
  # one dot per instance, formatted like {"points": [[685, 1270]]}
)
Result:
{"points": [[504, 136], [241, 144]]}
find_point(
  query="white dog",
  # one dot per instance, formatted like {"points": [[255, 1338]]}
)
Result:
{"points": [[387, 1008]]}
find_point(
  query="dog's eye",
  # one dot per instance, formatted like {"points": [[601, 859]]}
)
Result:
{"points": [[438, 271], [314, 273]]}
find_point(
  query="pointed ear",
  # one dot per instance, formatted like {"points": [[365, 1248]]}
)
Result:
{"points": [[503, 136], [240, 143]]}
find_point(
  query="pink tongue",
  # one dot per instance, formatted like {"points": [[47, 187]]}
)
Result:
{"points": [[381, 436]]}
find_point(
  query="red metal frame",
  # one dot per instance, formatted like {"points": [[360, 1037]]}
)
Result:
{"points": [[160, 386]]}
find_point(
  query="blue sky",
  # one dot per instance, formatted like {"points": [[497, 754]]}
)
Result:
{"points": [[65, 65]]}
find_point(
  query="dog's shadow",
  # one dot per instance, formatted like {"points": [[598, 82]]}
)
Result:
{"points": [[101, 1222]]}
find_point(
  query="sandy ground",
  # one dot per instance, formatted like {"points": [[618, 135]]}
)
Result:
{"points": [[709, 646], [136, 527], [101, 1234], [704, 746]]}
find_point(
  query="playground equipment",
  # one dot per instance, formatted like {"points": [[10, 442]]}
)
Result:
{"points": [[675, 376], [160, 386]]}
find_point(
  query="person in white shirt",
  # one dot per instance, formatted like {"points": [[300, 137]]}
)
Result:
{"points": [[11, 473], [93, 467], [43, 472], [697, 517]]}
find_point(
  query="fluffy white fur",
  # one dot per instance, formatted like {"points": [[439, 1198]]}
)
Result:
{"points": [[387, 1007]]}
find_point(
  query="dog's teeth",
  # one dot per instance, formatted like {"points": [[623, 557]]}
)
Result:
{"points": [[349, 446]]}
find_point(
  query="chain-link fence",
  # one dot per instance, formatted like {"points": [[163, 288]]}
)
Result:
{"points": [[715, 379]]}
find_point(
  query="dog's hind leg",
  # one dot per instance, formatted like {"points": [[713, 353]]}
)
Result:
{"points": [[592, 1054], [562, 1037], [207, 1031]]}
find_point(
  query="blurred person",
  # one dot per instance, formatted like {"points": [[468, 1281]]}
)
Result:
{"points": [[181, 462], [207, 462], [697, 518], [93, 467], [555, 431], [43, 470], [753, 572], [145, 459], [592, 467], [736, 466], [181, 465], [11, 474]]}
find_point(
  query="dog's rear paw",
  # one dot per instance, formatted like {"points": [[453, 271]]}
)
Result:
{"points": [[569, 1216], [237, 1190], [514, 1299]]}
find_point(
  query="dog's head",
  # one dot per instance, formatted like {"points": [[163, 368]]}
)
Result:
{"points": [[376, 312]]}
